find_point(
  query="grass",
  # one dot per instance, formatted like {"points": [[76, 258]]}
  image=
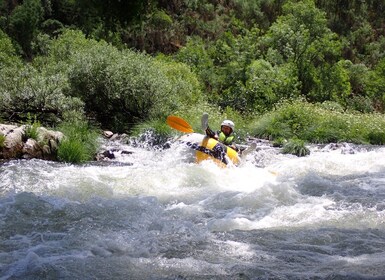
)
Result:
{"points": [[2, 140], [80, 143], [31, 129]]}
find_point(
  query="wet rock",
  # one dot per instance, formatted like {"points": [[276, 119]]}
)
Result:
{"points": [[108, 134], [13, 143], [18, 145], [46, 135], [345, 148], [105, 155], [108, 154], [31, 149], [53, 146], [47, 152]]}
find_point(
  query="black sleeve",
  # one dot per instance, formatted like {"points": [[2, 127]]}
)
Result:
{"points": [[209, 132]]}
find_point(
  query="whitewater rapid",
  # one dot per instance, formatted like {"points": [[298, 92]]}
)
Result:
{"points": [[156, 214]]}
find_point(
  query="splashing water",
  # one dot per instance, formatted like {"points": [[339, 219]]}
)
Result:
{"points": [[155, 214]]}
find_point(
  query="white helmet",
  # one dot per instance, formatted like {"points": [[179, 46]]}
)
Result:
{"points": [[229, 124]]}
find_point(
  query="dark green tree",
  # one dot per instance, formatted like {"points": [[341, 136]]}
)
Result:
{"points": [[376, 85], [24, 23], [301, 36]]}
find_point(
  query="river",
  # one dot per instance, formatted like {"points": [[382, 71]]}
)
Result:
{"points": [[155, 214]]}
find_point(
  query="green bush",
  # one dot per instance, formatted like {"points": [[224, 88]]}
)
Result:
{"points": [[315, 124], [118, 88], [80, 143], [8, 56], [122, 88], [266, 85], [42, 92], [288, 120], [296, 147], [376, 137], [279, 142], [375, 84], [184, 92], [24, 23], [31, 129]]}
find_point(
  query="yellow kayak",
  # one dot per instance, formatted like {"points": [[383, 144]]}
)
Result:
{"points": [[210, 149]]}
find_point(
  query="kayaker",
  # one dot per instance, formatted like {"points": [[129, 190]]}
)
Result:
{"points": [[225, 135]]}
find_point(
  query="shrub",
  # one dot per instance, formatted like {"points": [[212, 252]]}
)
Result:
{"points": [[118, 88], [266, 85], [24, 22], [185, 89], [279, 142], [122, 88], [288, 120], [332, 106], [43, 92], [295, 147], [31, 129], [80, 143], [314, 124], [376, 137], [8, 55]]}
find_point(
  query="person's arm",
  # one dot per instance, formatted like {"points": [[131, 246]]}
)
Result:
{"points": [[211, 133]]}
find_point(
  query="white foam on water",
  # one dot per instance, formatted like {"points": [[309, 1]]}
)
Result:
{"points": [[159, 210]]}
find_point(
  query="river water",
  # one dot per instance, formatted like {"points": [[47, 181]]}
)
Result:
{"points": [[155, 214]]}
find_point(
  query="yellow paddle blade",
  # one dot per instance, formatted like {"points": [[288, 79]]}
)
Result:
{"points": [[179, 124]]}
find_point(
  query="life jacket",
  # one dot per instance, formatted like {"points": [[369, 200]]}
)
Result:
{"points": [[227, 140]]}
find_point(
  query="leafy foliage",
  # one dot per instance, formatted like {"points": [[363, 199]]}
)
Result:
{"points": [[296, 147], [42, 93], [301, 36], [8, 56], [24, 22], [234, 59], [120, 88], [315, 124], [117, 88], [266, 85]]}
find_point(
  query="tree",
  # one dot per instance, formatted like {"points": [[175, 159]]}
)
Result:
{"points": [[376, 84], [301, 36], [265, 86], [24, 22], [8, 56]]}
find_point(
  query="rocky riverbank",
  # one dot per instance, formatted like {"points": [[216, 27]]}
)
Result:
{"points": [[17, 144]]}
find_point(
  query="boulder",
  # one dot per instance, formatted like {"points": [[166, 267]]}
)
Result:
{"points": [[13, 144], [17, 145], [31, 149], [108, 134], [46, 135]]}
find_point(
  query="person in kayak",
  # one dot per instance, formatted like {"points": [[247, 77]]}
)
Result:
{"points": [[225, 135]]}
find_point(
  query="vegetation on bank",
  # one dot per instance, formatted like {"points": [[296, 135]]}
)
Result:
{"points": [[80, 143], [309, 70], [2, 139], [320, 123]]}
